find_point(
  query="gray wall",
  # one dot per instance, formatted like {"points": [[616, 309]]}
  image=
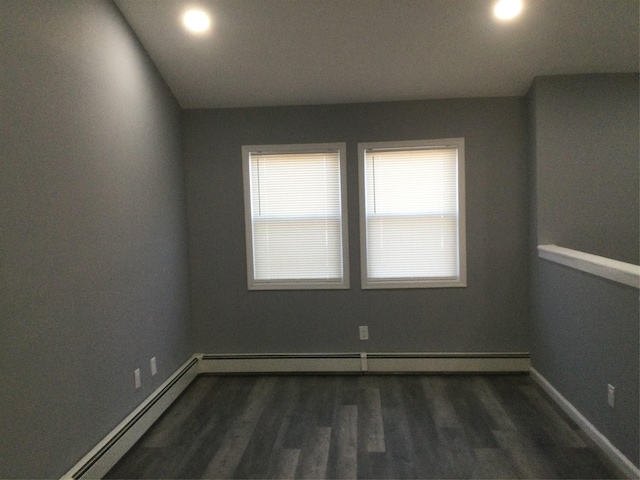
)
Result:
{"points": [[585, 329], [587, 169], [490, 315], [93, 271]]}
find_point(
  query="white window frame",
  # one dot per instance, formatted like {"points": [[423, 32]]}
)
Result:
{"points": [[295, 284], [389, 283]]}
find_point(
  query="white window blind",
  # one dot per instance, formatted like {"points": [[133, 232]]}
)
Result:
{"points": [[412, 215], [296, 224]]}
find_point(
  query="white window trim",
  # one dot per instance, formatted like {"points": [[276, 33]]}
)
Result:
{"points": [[461, 281], [314, 284]]}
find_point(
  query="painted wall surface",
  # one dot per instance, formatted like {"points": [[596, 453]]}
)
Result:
{"points": [[585, 329], [490, 315], [588, 171], [585, 336], [93, 269]]}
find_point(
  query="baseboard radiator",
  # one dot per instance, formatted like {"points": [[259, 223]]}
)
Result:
{"points": [[112, 448], [366, 363]]}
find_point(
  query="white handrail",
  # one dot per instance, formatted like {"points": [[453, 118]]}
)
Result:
{"points": [[621, 272]]}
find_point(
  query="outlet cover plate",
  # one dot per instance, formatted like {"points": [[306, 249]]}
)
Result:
{"points": [[364, 332]]}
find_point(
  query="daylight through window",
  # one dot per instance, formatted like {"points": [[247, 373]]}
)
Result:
{"points": [[412, 214], [296, 220]]}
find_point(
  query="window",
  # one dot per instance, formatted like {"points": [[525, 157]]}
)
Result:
{"points": [[296, 217], [412, 223]]}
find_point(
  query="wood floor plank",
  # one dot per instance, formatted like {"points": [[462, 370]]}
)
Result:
{"points": [[370, 418], [475, 421], [493, 463], [165, 431], [261, 456], [491, 404], [312, 463], [210, 423], [139, 465], [375, 466], [581, 463], [551, 421], [304, 416], [373, 426], [344, 457], [226, 459], [444, 415], [526, 456], [287, 463], [420, 416], [457, 449], [326, 388], [401, 451], [347, 390]]}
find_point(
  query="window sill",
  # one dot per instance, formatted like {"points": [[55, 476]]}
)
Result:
{"points": [[400, 284], [298, 286]]}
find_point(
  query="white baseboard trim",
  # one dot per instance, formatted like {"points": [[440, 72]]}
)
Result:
{"points": [[112, 448], [366, 362], [616, 456]]}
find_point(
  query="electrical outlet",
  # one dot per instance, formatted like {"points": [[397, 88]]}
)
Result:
{"points": [[364, 332], [136, 377], [154, 367], [611, 395]]}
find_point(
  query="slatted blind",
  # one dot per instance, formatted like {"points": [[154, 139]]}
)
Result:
{"points": [[296, 216], [412, 213]]}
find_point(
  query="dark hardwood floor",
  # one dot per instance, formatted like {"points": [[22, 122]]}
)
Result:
{"points": [[373, 426]]}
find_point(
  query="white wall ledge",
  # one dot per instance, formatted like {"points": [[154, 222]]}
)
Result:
{"points": [[621, 272]]}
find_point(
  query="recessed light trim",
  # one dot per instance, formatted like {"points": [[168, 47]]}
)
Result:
{"points": [[196, 21], [507, 9]]}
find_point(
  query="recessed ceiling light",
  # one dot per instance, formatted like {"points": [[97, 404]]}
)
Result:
{"points": [[196, 21], [507, 9]]}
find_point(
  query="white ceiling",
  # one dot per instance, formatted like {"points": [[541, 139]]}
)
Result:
{"points": [[300, 52]]}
